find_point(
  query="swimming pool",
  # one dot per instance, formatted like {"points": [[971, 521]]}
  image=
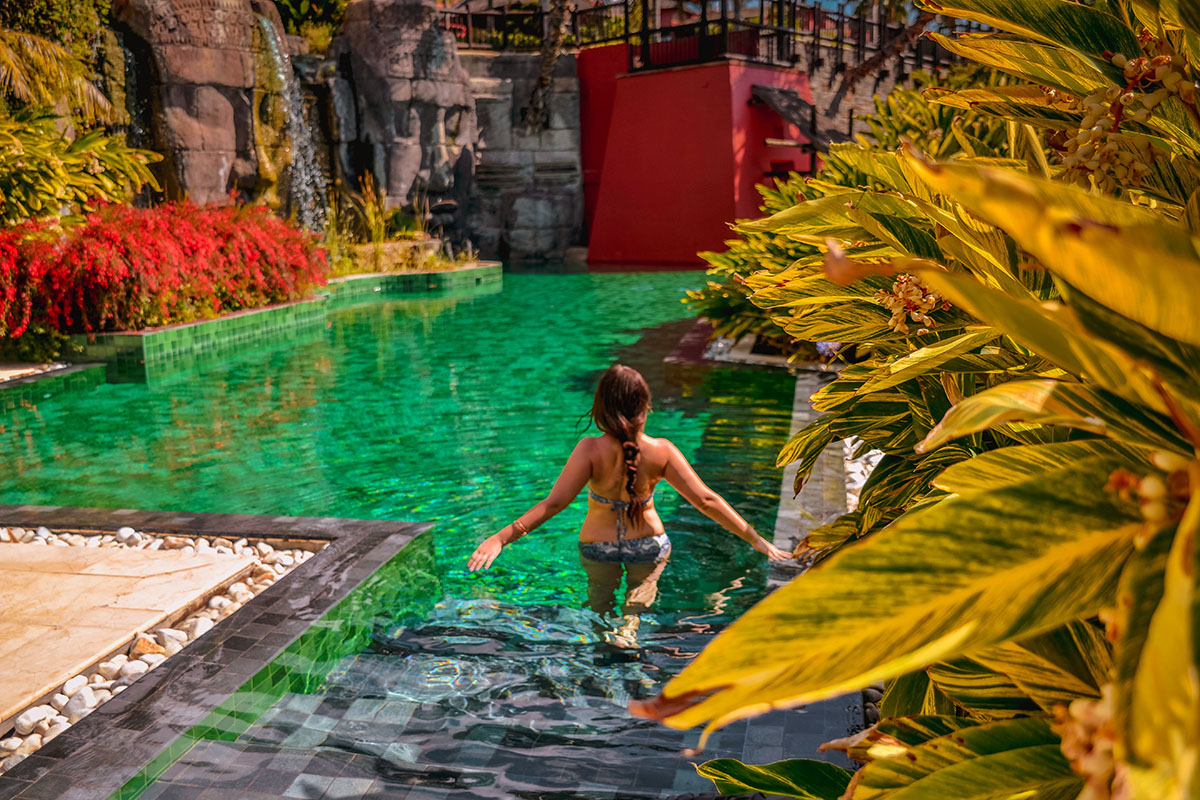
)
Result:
{"points": [[459, 411]]}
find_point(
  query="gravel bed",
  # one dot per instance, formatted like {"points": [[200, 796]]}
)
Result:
{"points": [[83, 693]]}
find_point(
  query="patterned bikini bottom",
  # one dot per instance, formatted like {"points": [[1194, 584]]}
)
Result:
{"points": [[644, 550]]}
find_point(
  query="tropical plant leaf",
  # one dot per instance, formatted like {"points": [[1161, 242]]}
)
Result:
{"points": [[1009, 465], [927, 359], [1082, 238], [1056, 667], [948, 572], [1051, 332], [911, 694], [984, 692], [1009, 758], [1086, 30], [894, 736], [1050, 402], [1038, 63], [1164, 710], [796, 777]]}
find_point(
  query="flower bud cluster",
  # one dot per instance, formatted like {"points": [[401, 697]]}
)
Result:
{"points": [[1160, 497], [1096, 153], [910, 301], [1088, 734]]}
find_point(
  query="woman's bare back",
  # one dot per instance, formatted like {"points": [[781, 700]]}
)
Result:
{"points": [[608, 479]]}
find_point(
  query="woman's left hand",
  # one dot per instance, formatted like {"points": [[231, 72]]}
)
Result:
{"points": [[772, 552], [485, 554]]}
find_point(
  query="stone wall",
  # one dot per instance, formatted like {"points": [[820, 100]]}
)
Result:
{"points": [[528, 203], [826, 77]]}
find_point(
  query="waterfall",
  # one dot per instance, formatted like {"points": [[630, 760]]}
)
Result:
{"points": [[306, 192]]}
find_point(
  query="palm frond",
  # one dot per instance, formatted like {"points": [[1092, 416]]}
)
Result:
{"points": [[37, 71]]}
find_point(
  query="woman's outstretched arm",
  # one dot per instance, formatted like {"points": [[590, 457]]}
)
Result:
{"points": [[571, 480], [683, 478]]}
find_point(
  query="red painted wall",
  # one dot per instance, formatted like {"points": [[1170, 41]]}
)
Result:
{"points": [[598, 68], [681, 154], [752, 124]]}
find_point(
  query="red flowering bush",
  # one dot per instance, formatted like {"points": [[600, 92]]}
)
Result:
{"points": [[15, 303], [128, 268]]}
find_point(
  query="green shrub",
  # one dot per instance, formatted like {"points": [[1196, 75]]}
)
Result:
{"points": [[45, 174]]}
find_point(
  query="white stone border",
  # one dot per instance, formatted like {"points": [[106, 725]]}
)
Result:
{"points": [[858, 470], [82, 694]]}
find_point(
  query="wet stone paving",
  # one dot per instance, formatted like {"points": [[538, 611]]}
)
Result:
{"points": [[399, 722]]}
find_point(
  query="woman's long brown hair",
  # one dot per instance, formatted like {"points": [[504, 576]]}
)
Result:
{"points": [[620, 407]]}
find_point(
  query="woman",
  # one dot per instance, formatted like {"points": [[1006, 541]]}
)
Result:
{"points": [[622, 533]]}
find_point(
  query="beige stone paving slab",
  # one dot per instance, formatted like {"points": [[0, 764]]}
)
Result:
{"points": [[65, 608]]}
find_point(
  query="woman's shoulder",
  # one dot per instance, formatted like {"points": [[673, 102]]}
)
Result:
{"points": [[657, 441]]}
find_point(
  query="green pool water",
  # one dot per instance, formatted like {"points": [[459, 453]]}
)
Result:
{"points": [[458, 411]]}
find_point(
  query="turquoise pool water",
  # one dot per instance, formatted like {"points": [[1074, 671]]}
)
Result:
{"points": [[459, 411]]}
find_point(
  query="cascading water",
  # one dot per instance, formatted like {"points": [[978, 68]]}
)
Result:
{"points": [[307, 185]]}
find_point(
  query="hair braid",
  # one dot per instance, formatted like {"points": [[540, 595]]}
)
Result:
{"points": [[619, 408], [633, 454]]}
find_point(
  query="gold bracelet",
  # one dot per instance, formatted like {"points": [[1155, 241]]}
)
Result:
{"points": [[519, 527]]}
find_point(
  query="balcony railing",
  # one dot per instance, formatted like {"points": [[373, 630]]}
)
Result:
{"points": [[778, 32]]}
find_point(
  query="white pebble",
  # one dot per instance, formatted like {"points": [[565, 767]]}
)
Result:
{"points": [[55, 730], [74, 685], [164, 635], [110, 669], [5, 536], [36, 540], [196, 627], [28, 719], [134, 669], [103, 695], [187, 548], [11, 743], [152, 659], [32, 742], [118, 689], [42, 532], [59, 700], [219, 602], [264, 549], [80, 704], [11, 762], [225, 551]]}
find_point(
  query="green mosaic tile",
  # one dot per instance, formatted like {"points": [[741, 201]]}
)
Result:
{"points": [[28, 392], [156, 354], [361, 286]]}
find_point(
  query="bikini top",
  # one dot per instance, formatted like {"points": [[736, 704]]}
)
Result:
{"points": [[619, 507]]}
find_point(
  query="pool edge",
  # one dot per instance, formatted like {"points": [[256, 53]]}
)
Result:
{"points": [[96, 757]]}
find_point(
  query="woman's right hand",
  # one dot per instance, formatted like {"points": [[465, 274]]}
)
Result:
{"points": [[485, 554]]}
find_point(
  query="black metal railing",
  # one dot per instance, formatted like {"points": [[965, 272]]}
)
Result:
{"points": [[780, 32]]}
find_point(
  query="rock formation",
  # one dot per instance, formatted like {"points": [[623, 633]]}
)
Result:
{"points": [[219, 102], [403, 107]]}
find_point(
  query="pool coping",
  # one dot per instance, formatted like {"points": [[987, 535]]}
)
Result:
{"points": [[97, 755]]}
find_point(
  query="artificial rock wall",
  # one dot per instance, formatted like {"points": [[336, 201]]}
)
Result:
{"points": [[527, 205]]}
